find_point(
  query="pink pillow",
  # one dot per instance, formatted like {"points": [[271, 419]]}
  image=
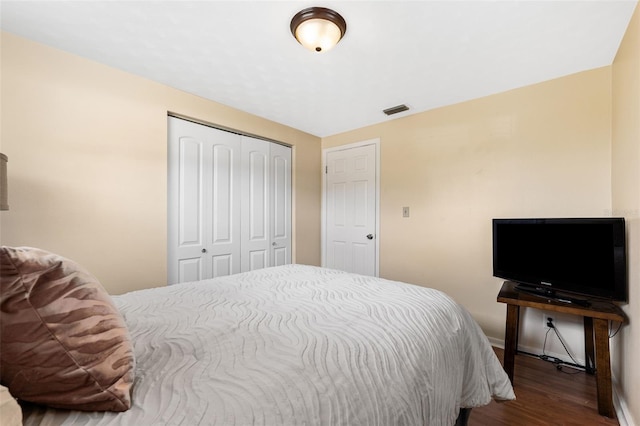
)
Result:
{"points": [[63, 342]]}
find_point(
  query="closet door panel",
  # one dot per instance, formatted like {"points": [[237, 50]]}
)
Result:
{"points": [[281, 256], [280, 204], [203, 196], [187, 204], [190, 269], [221, 265], [221, 195], [256, 196], [224, 239], [258, 259], [190, 192], [255, 204]]}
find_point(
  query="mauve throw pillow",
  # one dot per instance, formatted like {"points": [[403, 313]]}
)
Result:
{"points": [[63, 342]]}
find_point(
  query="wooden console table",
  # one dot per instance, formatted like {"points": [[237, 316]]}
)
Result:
{"points": [[596, 335]]}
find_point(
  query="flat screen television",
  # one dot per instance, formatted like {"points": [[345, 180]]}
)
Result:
{"points": [[585, 257]]}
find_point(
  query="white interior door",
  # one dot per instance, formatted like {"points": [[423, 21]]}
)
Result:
{"points": [[203, 202], [351, 209]]}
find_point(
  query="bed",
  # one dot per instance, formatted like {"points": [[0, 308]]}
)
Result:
{"points": [[298, 345]]}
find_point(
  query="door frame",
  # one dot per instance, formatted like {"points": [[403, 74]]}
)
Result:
{"points": [[323, 228]]}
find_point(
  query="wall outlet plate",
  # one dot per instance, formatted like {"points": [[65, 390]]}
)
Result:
{"points": [[405, 212], [545, 318]]}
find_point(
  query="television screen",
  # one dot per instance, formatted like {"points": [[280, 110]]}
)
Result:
{"points": [[584, 256]]}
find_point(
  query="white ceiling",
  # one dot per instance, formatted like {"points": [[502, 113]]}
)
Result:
{"points": [[425, 54]]}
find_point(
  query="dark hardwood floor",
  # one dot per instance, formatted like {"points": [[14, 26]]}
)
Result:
{"points": [[544, 396]]}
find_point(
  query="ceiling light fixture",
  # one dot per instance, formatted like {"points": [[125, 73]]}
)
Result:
{"points": [[318, 28]]}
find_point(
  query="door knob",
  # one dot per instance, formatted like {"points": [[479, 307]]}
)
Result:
{"points": [[204, 250], [370, 236], [274, 244]]}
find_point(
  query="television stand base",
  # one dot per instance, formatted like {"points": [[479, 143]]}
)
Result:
{"points": [[596, 335]]}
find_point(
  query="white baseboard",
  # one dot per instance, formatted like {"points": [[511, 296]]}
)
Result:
{"points": [[620, 404], [499, 343], [562, 356]]}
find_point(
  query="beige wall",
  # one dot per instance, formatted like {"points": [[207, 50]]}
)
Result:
{"points": [[626, 202], [87, 148], [538, 151]]}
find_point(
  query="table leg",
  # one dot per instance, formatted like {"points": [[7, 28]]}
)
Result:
{"points": [[589, 355], [603, 368], [511, 339]]}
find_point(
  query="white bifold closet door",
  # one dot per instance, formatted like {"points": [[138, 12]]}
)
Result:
{"points": [[229, 202], [266, 204]]}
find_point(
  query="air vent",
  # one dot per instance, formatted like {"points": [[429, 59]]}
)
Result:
{"points": [[396, 109]]}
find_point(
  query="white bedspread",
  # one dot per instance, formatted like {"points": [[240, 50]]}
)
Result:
{"points": [[300, 345]]}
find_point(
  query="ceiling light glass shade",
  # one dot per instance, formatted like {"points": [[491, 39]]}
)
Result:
{"points": [[318, 35], [318, 29]]}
